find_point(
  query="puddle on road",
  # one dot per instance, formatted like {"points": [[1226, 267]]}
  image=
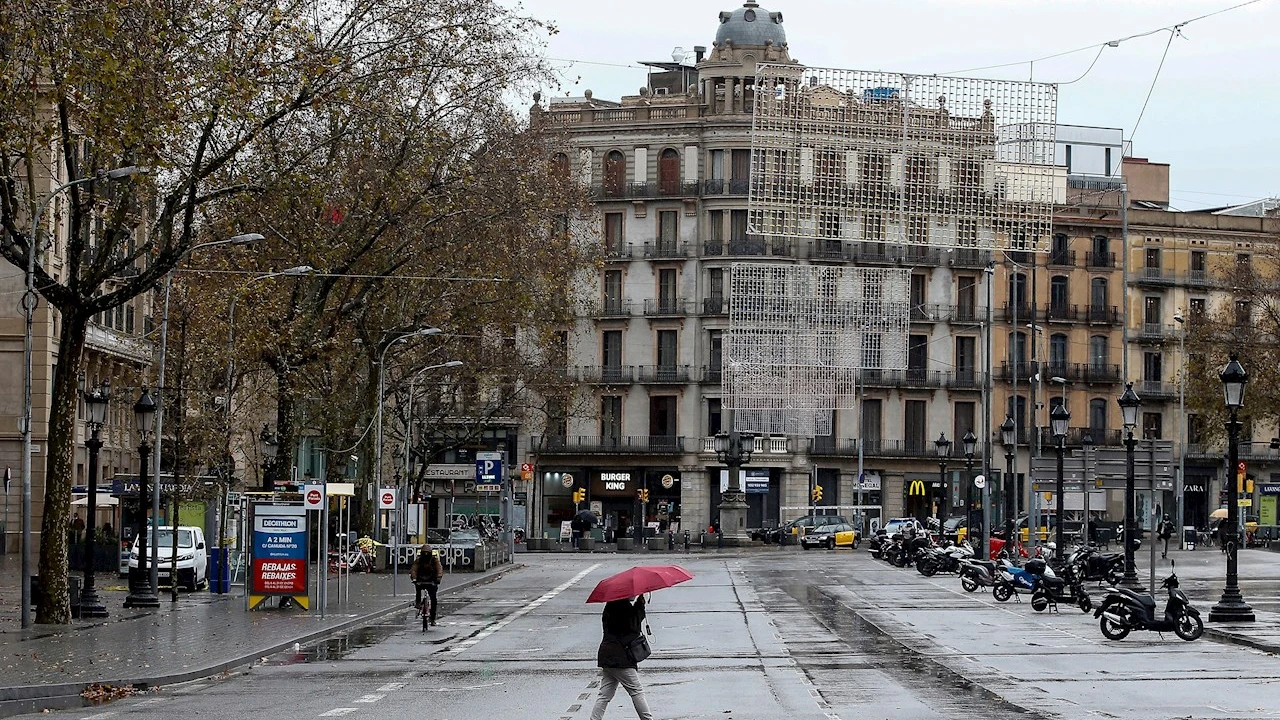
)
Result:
{"points": [[340, 646]]}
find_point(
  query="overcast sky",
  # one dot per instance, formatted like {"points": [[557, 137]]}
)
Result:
{"points": [[1214, 114]]}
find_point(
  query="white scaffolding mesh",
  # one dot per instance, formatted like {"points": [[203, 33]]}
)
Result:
{"points": [[798, 336], [877, 157]]}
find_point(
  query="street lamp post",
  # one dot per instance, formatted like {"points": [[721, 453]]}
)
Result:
{"points": [[970, 443], [269, 444], [1231, 607], [734, 449], [1086, 443], [29, 311], [141, 594], [942, 446], [1059, 418], [95, 401], [408, 430], [1009, 438], [1129, 403]]}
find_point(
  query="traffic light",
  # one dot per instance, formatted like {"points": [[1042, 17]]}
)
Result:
{"points": [[579, 495], [817, 493], [644, 495]]}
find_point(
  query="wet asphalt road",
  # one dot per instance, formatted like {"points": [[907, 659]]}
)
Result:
{"points": [[767, 636]]}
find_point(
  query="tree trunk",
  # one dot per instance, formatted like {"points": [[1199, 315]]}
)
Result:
{"points": [[53, 604], [365, 518], [282, 466]]}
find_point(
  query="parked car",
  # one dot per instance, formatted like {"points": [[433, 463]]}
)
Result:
{"points": [[808, 521], [829, 537], [193, 560]]}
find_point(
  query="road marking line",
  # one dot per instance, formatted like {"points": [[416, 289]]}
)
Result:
{"points": [[338, 712], [528, 608], [148, 701], [106, 714], [369, 698], [390, 687]]}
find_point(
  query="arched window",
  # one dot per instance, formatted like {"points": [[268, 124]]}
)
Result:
{"points": [[615, 172], [669, 172], [560, 167], [1098, 420], [1018, 351], [1098, 352], [1058, 354]]}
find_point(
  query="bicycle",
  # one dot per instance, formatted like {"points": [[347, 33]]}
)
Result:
{"points": [[353, 559], [423, 606]]}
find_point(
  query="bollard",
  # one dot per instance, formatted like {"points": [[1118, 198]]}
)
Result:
{"points": [[671, 540], [686, 541], [719, 541]]}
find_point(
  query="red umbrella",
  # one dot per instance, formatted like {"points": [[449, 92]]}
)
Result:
{"points": [[638, 581]]}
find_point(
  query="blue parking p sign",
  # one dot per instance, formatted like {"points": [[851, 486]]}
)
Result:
{"points": [[488, 472]]}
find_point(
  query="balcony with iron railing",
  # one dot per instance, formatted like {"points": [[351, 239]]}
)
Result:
{"points": [[618, 253], [1061, 313], [1156, 390], [1024, 312], [1155, 332], [1098, 373], [594, 445], [666, 307], [827, 250], [970, 258], [666, 250], [965, 314], [1102, 314], [1261, 450], [613, 309], [604, 374], [663, 374], [1100, 259], [1075, 437], [1199, 278], [1154, 277], [749, 246], [715, 306], [911, 378], [712, 374], [1022, 369], [921, 448], [1062, 258]]}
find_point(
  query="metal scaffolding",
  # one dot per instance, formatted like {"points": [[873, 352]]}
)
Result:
{"points": [[799, 335], [848, 156]]}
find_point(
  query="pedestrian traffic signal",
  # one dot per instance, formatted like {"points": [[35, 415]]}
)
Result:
{"points": [[644, 495], [817, 493]]}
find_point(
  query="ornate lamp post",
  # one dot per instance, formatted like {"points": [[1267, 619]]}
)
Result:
{"points": [[1058, 421], [943, 447], [270, 447], [141, 593], [1129, 403], [970, 442], [1009, 438], [1231, 606], [1087, 443], [734, 450], [95, 402]]}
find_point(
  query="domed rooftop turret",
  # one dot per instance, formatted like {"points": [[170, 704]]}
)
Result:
{"points": [[751, 25]]}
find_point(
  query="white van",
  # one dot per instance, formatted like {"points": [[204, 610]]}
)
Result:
{"points": [[193, 555]]}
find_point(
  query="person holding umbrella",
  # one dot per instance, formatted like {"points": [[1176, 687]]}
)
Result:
{"points": [[618, 662], [624, 646]]}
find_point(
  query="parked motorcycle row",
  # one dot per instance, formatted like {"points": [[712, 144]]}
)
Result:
{"points": [[1049, 582]]}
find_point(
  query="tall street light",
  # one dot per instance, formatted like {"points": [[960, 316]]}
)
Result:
{"points": [[970, 443], [141, 594], [153, 578], [1129, 403], [95, 402], [408, 430], [1179, 487], [29, 310], [1059, 418], [1009, 438], [382, 373], [942, 446], [1086, 442], [1231, 606], [734, 449]]}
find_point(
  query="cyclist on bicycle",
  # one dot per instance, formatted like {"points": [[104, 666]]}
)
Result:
{"points": [[427, 572]]}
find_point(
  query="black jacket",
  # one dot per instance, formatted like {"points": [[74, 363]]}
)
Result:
{"points": [[621, 621]]}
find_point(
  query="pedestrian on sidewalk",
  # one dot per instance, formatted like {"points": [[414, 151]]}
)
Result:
{"points": [[426, 572], [1166, 531], [618, 665]]}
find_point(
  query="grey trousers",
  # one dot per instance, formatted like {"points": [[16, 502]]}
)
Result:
{"points": [[629, 678]]}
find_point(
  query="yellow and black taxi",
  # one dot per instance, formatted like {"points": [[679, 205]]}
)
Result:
{"points": [[830, 537]]}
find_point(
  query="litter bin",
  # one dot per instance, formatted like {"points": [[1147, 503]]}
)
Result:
{"points": [[219, 572]]}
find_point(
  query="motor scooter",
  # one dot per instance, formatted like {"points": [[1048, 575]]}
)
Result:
{"points": [[1124, 610], [1103, 567], [1051, 589], [975, 573], [1015, 580], [943, 559]]}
